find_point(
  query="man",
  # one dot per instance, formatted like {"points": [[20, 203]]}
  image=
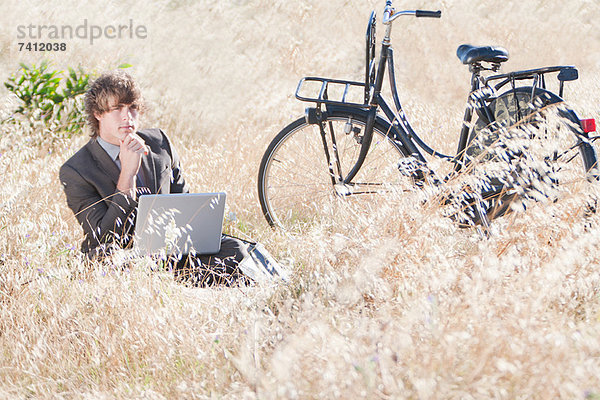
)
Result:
{"points": [[103, 180]]}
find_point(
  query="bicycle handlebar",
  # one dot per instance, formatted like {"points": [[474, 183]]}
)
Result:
{"points": [[428, 14], [389, 14]]}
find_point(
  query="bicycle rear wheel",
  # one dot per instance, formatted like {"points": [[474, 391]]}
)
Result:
{"points": [[296, 182], [553, 154]]}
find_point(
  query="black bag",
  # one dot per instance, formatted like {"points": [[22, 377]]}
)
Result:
{"points": [[260, 266]]}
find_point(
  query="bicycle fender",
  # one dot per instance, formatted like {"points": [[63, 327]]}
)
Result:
{"points": [[380, 122]]}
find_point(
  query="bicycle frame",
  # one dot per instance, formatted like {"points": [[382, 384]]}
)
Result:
{"points": [[400, 128]]}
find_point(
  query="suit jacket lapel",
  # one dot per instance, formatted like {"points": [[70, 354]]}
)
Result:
{"points": [[148, 172], [159, 168], [103, 160]]}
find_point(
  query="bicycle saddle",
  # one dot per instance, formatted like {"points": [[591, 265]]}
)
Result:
{"points": [[468, 54]]}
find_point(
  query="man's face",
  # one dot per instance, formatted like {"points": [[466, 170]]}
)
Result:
{"points": [[119, 121]]}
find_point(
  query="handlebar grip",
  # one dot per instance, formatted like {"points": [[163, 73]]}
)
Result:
{"points": [[428, 14]]}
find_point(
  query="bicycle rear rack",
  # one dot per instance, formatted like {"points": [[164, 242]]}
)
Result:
{"points": [[565, 74], [331, 92]]}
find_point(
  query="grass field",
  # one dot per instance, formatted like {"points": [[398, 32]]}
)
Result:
{"points": [[394, 303]]}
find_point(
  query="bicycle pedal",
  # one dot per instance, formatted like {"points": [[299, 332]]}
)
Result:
{"points": [[409, 166], [342, 189], [418, 171]]}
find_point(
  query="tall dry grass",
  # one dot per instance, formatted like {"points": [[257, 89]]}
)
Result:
{"points": [[394, 303]]}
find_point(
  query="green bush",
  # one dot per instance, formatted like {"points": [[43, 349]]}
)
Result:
{"points": [[50, 97]]}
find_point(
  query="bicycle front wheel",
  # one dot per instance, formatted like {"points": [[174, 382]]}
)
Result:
{"points": [[301, 173]]}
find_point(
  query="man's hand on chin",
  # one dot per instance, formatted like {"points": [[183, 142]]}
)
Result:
{"points": [[130, 156]]}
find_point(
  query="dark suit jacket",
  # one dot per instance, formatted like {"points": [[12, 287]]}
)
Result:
{"points": [[90, 180]]}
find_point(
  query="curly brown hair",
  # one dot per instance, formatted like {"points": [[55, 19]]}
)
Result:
{"points": [[115, 84]]}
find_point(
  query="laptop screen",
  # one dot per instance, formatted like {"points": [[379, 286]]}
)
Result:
{"points": [[179, 223]]}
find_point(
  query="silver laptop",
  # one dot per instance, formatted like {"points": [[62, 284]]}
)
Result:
{"points": [[181, 223]]}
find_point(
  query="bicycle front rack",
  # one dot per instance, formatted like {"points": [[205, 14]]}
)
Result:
{"points": [[331, 92]]}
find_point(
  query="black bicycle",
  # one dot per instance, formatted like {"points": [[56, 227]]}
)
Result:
{"points": [[352, 142]]}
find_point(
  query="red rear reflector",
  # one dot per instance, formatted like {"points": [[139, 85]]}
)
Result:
{"points": [[588, 125]]}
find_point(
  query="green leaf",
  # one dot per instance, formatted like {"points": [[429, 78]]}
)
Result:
{"points": [[125, 65], [35, 87], [42, 96]]}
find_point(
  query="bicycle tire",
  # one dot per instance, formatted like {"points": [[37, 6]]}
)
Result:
{"points": [[577, 163], [294, 182]]}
